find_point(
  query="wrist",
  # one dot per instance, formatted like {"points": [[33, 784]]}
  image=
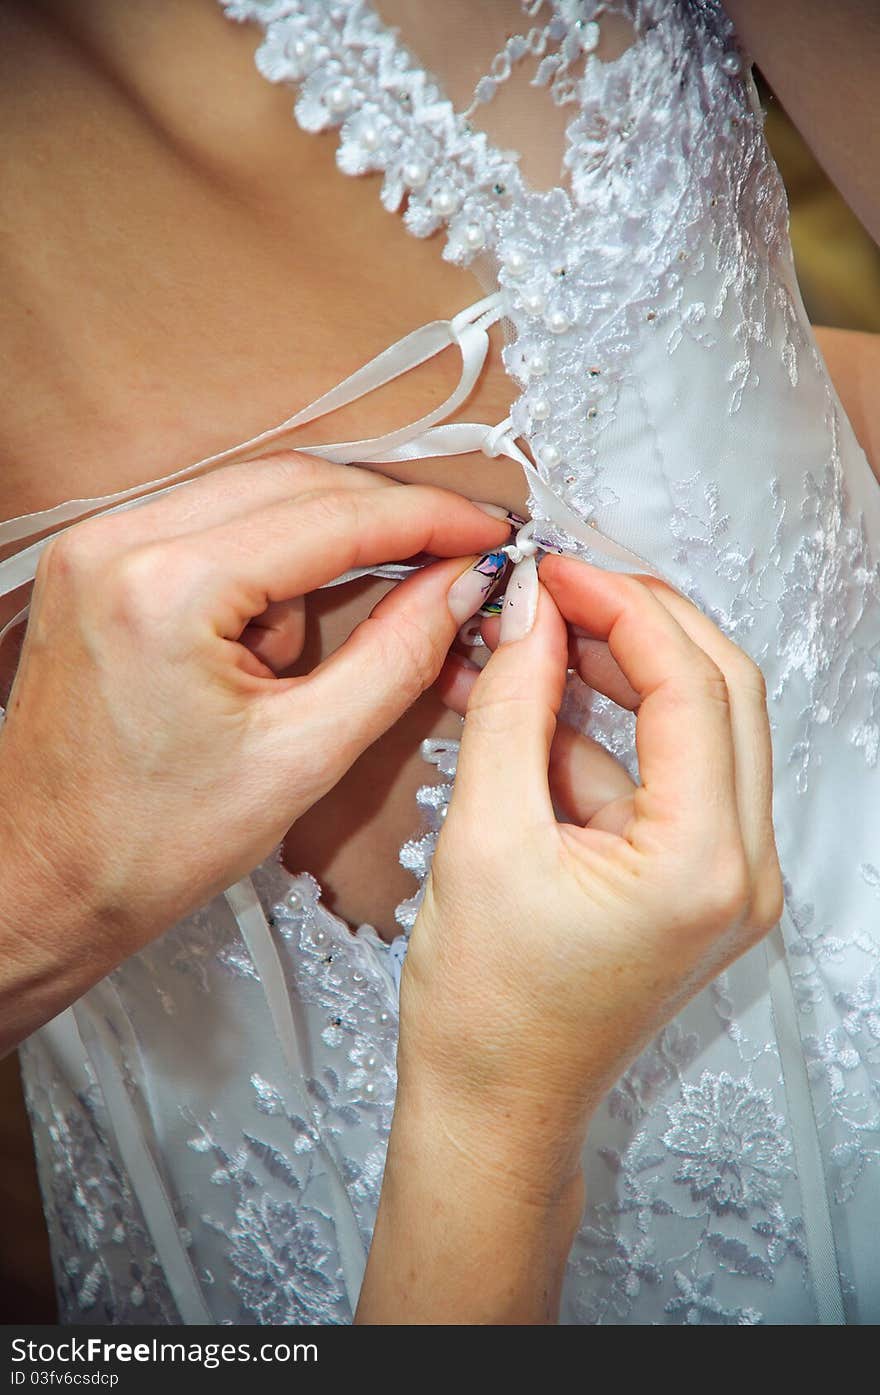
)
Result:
{"points": [[508, 1141], [55, 942], [462, 1234]]}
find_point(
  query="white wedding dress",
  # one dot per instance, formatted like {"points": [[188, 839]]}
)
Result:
{"points": [[211, 1121]]}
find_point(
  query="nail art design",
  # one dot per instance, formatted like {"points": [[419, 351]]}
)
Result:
{"points": [[469, 591], [520, 601]]}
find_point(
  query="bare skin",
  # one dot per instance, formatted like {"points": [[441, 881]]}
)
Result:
{"points": [[202, 269]]}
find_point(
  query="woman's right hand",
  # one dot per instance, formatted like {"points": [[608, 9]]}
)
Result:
{"points": [[546, 953], [150, 756]]}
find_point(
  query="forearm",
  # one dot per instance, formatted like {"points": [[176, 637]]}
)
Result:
{"points": [[463, 1235], [54, 945]]}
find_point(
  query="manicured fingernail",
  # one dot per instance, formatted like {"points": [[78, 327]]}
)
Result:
{"points": [[520, 602], [493, 510], [468, 592]]}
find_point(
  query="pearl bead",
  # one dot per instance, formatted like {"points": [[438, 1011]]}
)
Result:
{"points": [[515, 262], [558, 322], [384, 1018], [294, 900], [320, 937], [371, 1062], [301, 51], [444, 202], [550, 456], [474, 236], [369, 1088], [338, 99], [731, 63], [534, 301], [415, 174], [538, 363], [370, 138], [540, 409]]}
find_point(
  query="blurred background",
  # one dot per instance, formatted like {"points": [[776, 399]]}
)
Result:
{"points": [[839, 270]]}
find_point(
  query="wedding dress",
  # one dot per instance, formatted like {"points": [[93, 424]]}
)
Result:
{"points": [[211, 1121]]}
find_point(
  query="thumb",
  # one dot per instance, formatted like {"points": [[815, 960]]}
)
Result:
{"points": [[389, 660], [511, 715]]}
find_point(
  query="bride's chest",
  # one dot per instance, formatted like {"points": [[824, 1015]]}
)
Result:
{"points": [[181, 267]]}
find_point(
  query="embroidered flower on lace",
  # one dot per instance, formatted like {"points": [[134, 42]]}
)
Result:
{"points": [[280, 1266], [730, 1141], [695, 1304], [658, 1065]]}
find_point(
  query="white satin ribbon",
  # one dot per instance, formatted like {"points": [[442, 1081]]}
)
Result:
{"points": [[467, 329], [420, 440]]}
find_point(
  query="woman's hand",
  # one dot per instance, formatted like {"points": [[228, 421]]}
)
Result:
{"points": [[547, 954], [150, 756]]}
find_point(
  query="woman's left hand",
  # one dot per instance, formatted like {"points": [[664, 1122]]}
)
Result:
{"points": [[546, 953]]}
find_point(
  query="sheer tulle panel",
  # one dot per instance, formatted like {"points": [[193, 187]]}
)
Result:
{"points": [[511, 66]]}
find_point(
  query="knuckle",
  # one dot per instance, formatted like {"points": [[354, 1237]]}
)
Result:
{"points": [[409, 655], [421, 654], [291, 468], [76, 552], [713, 683], [750, 677], [727, 892], [332, 508], [768, 901], [145, 580]]}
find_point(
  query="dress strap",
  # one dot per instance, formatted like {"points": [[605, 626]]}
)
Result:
{"points": [[99, 1018], [250, 917]]}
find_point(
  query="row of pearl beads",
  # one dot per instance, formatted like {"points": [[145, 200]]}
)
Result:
{"points": [[534, 303], [444, 202]]}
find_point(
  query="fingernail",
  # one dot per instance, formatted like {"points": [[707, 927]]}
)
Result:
{"points": [[493, 510], [468, 592], [520, 602]]}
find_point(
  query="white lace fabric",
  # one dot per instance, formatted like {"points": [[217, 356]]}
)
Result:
{"points": [[671, 396]]}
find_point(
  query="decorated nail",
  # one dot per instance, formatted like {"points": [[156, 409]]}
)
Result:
{"points": [[469, 591], [493, 510], [520, 601]]}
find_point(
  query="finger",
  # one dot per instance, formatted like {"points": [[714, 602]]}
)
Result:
{"points": [[753, 754], [684, 736], [293, 547], [502, 776], [361, 690], [276, 637], [226, 493], [597, 667], [591, 658], [584, 778]]}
